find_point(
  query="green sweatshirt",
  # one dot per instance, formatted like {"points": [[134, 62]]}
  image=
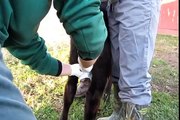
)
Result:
{"points": [[20, 19]]}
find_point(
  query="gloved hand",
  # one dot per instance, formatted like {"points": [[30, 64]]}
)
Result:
{"points": [[86, 71], [76, 70], [86, 74], [81, 72]]}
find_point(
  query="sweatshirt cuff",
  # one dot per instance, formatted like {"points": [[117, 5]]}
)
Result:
{"points": [[59, 68]]}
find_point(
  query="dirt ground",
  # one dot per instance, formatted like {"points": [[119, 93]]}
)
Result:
{"points": [[172, 58]]}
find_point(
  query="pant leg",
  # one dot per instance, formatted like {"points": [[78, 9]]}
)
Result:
{"points": [[133, 34], [114, 33], [12, 104]]}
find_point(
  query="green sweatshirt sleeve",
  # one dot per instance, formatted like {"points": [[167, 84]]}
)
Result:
{"points": [[4, 20], [83, 20], [23, 41], [35, 56]]}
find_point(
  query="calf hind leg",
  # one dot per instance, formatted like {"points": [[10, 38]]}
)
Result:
{"points": [[93, 98], [70, 90], [71, 85]]}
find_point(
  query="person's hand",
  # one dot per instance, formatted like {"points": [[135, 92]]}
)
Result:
{"points": [[81, 72], [86, 71], [76, 70]]}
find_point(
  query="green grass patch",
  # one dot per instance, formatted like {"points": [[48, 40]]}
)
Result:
{"points": [[165, 78], [167, 40], [164, 107]]}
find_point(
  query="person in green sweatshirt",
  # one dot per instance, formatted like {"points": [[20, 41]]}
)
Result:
{"points": [[19, 22]]}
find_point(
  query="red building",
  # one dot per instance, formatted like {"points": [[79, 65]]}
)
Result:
{"points": [[169, 18]]}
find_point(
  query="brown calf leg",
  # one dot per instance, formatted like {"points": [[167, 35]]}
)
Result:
{"points": [[100, 76], [70, 90], [71, 85]]}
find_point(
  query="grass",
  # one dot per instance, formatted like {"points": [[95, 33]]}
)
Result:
{"points": [[44, 94]]}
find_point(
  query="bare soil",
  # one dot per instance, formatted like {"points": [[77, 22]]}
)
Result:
{"points": [[172, 57]]}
